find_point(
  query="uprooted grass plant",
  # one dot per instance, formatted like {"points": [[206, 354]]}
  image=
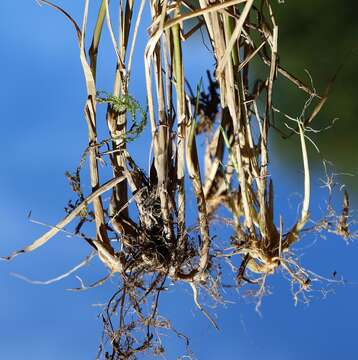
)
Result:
{"points": [[152, 245]]}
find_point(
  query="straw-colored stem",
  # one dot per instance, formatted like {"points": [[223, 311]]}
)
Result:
{"points": [[179, 86]]}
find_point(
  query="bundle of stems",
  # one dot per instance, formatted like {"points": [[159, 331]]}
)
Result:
{"points": [[153, 245]]}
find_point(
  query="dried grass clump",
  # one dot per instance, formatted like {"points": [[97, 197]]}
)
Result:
{"points": [[154, 246]]}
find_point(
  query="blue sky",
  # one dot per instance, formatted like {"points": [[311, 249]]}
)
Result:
{"points": [[43, 135]]}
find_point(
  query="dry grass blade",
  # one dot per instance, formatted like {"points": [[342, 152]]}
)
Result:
{"points": [[68, 16], [292, 236], [235, 35], [199, 12], [272, 66], [307, 182], [135, 33], [47, 236]]}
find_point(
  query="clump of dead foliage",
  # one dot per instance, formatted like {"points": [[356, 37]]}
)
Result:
{"points": [[153, 245]]}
